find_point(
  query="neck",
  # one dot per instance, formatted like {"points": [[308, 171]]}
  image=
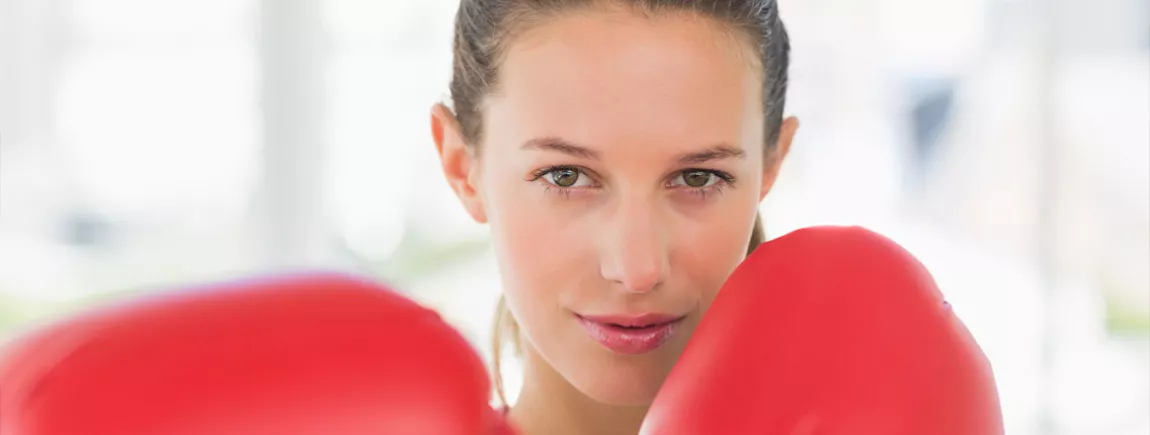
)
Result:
{"points": [[549, 404]]}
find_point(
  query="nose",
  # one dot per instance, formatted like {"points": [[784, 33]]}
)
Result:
{"points": [[634, 248]]}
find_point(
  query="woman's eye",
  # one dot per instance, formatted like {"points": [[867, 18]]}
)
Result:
{"points": [[695, 179], [567, 177]]}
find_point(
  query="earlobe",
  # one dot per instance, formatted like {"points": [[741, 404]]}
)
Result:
{"points": [[457, 160], [774, 163]]}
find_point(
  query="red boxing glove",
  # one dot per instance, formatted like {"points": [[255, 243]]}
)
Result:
{"points": [[829, 331], [305, 354]]}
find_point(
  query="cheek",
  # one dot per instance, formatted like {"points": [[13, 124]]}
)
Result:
{"points": [[529, 229], [709, 250], [539, 251]]}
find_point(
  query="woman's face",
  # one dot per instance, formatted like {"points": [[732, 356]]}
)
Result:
{"points": [[620, 170]]}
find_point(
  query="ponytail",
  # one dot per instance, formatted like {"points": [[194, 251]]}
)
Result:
{"points": [[505, 329], [758, 235]]}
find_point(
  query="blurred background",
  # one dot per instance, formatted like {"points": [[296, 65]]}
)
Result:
{"points": [[152, 143]]}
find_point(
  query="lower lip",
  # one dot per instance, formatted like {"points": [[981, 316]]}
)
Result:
{"points": [[629, 340]]}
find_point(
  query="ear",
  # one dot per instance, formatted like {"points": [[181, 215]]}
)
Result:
{"points": [[775, 162], [459, 161]]}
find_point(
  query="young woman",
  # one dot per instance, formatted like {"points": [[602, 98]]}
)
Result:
{"points": [[619, 151]]}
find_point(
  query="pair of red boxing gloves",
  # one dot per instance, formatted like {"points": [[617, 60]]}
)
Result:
{"points": [[825, 331]]}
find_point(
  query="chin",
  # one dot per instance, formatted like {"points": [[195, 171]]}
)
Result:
{"points": [[627, 381]]}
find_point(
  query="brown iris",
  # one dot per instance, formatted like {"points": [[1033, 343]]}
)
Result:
{"points": [[565, 177], [696, 178]]}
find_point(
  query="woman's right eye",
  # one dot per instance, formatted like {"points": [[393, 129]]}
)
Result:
{"points": [[567, 178]]}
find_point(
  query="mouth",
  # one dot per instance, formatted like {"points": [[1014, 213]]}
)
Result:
{"points": [[631, 334]]}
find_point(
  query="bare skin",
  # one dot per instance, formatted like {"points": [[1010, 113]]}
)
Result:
{"points": [[620, 171]]}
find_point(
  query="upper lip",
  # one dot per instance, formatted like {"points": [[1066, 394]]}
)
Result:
{"points": [[634, 321]]}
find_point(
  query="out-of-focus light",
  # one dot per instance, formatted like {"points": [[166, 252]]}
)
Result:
{"points": [[161, 131], [162, 21]]}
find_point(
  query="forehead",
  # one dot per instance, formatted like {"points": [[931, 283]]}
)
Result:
{"points": [[605, 78]]}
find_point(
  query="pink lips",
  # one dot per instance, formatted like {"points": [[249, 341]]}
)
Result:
{"points": [[631, 334]]}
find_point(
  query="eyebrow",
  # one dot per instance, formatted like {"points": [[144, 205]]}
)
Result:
{"points": [[562, 146], [716, 152]]}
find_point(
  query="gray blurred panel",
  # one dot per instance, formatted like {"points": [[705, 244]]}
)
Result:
{"points": [[290, 212]]}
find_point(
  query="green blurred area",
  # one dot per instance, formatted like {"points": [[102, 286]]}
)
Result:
{"points": [[417, 258], [1127, 319]]}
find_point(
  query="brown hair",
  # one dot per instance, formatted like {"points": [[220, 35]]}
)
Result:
{"points": [[483, 29]]}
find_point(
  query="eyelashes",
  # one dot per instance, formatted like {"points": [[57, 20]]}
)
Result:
{"points": [[563, 176], [566, 180], [703, 182], [562, 180]]}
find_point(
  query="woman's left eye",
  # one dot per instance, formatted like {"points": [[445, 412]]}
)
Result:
{"points": [[695, 179]]}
